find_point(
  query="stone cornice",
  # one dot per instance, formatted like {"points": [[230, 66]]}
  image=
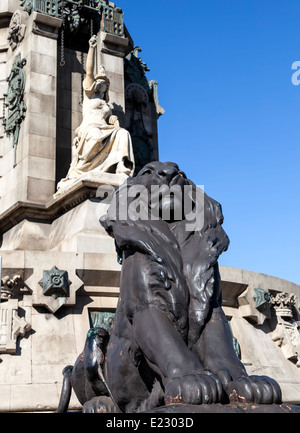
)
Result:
{"points": [[48, 212]]}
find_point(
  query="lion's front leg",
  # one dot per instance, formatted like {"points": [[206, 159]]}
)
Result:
{"points": [[216, 351], [182, 375]]}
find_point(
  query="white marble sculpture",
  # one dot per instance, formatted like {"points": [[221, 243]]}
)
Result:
{"points": [[101, 145]]}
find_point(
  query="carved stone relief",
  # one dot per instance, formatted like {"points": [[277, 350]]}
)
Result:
{"points": [[12, 288], [11, 326], [281, 311], [287, 330], [17, 29]]}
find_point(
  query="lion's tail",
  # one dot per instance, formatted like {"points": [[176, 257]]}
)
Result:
{"points": [[65, 390]]}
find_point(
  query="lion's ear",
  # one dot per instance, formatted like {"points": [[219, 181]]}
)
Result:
{"points": [[106, 224]]}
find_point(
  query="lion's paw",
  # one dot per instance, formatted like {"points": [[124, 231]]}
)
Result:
{"points": [[257, 389], [203, 388], [99, 405]]}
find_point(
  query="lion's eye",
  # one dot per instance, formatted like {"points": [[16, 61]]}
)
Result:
{"points": [[147, 172]]}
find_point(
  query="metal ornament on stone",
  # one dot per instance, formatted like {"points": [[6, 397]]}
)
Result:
{"points": [[55, 283], [102, 319], [262, 298], [14, 107], [78, 13], [27, 5]]}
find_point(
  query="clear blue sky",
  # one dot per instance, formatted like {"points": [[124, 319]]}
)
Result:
{"points": [[232, 119]]}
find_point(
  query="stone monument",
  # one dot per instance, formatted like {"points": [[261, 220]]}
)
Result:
{"points": [[60, 272]]}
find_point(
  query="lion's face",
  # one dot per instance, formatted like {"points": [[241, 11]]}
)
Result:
{"points": [[165, 183], [161, 173]]}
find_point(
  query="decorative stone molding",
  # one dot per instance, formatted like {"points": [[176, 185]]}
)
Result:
{"points": [[11, 326], [55, 289]]}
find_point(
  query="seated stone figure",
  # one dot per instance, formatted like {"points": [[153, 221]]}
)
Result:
{"points": [[170, 341], [101, 146]]}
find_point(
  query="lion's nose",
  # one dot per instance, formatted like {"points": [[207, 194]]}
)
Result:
{"points": [[168, 172]]}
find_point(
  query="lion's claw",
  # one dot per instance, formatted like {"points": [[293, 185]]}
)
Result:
{"points": [[100, 404], [257, 389], [193, 389]]}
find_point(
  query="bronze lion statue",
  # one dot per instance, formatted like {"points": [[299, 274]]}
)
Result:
{"points": [[170, 341]]}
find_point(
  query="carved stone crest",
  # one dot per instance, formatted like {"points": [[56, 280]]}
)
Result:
{"points": [[287, 330], [17, 28]]}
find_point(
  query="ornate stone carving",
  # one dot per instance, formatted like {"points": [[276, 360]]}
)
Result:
{"points": [[284, 303], [14, 101], [55, 283], [287, 331], [11, 287], [17, 28], [11, 326]]}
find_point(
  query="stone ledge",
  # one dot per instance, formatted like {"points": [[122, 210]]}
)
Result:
{"points": [[46, 25], [54, 208]]}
